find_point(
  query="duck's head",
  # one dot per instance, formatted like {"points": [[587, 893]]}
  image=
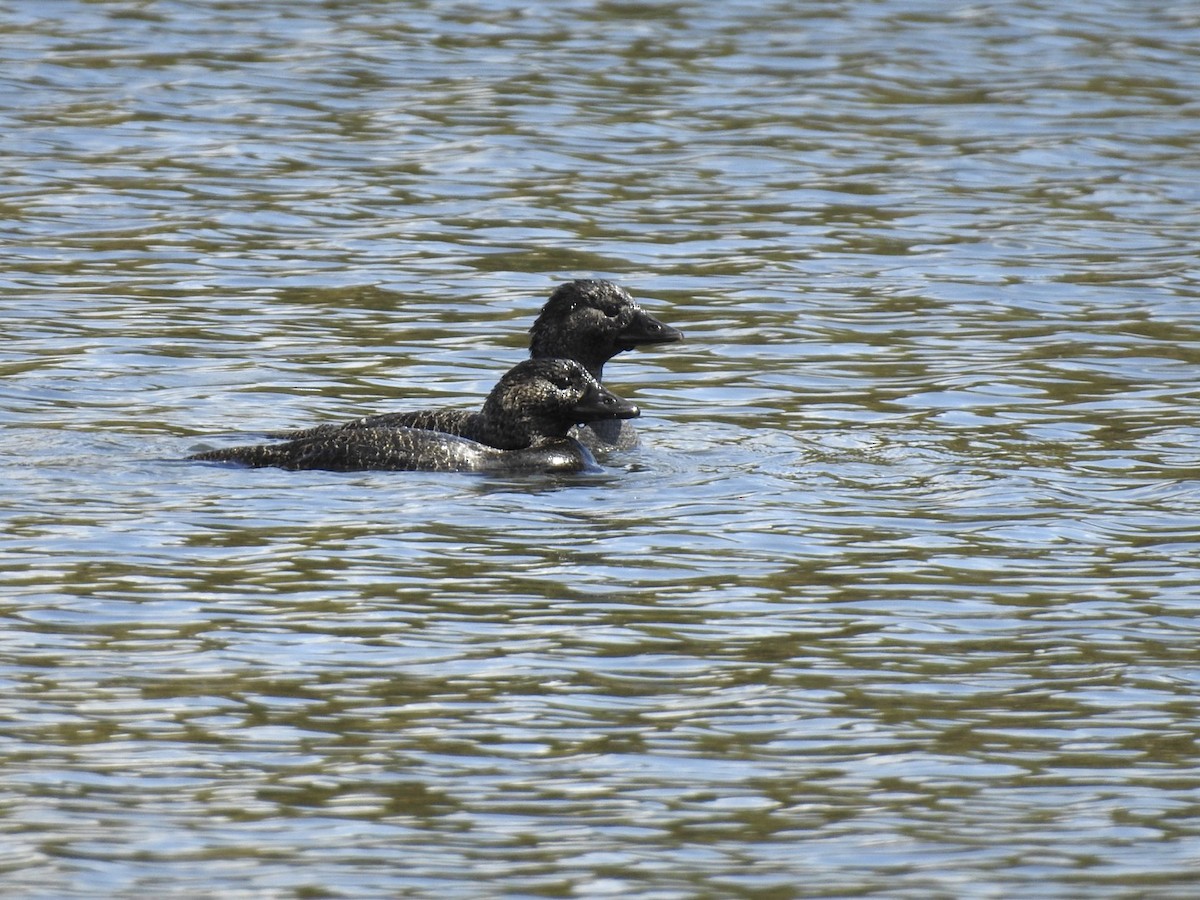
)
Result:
{"points": [[543, 398], [591, 322]]}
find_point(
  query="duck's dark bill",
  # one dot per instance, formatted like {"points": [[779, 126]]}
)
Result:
{"points": [[645, 329], [600, 403]]}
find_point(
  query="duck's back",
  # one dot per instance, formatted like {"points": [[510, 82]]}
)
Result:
{"points": [[356, 449], [460, 422], [598, 437], [405, 449]]}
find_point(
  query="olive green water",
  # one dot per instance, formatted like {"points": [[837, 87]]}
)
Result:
{"points": [[900, 596]]}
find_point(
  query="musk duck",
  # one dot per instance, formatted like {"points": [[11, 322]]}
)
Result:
{"points": [[588, 321], [530, 412]]}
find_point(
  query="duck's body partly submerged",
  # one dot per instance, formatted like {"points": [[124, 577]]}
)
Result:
{"points": [[466, 423], [407, 449], [530, 411], [586, 321]]}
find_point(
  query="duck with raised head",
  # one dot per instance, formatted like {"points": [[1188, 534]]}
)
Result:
{"points": [[530, 411], [589, 321]]}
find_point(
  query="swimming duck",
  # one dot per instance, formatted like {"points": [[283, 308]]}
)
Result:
{"points": [[530, 411], [589, 321], [592, 321]]}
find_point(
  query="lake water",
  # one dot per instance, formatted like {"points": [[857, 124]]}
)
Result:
{"points": [[899, 596]]}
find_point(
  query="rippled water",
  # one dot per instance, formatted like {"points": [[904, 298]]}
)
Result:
{"points": [[898, 596]]}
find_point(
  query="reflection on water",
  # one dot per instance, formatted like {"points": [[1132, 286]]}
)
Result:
{"points": [[897, 595]]}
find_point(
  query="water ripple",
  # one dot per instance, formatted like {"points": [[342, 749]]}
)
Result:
{"points": [[896, 595]]}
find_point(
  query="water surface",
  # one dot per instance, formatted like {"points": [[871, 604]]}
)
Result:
{"points": [[897, 596]]}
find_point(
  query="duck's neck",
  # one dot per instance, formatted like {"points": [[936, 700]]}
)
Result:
{"points": [[506, 431]]}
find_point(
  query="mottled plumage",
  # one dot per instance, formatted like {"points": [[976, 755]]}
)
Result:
{"points": [[409, 449], [533, 407], [593, 321], [587, 321]]}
